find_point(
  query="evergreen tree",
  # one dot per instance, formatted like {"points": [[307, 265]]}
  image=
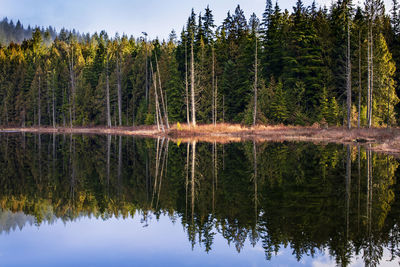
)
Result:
{"points": [[333, 116], [279, 112]]}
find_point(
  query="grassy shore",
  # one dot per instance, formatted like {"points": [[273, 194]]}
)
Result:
{"points": [[379, 139]]}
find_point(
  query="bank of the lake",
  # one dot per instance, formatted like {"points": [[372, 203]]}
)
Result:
{"points": [[385, 140]]}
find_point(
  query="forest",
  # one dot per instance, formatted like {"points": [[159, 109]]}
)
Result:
{"points": [[335, 66]]}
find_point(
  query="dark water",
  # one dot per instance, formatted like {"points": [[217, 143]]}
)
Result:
{"points": [[123, 201]]}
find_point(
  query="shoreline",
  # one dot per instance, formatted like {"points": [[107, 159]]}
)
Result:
{"points": [[385, 140]]}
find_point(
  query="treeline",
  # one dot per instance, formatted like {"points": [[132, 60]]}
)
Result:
{"points": [[11, 32], [333, 66], [17, 33]]}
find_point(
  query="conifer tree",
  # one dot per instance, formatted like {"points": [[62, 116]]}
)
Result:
{"points": [[279, 110]]}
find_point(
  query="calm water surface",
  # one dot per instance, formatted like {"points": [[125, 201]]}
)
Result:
{"points": [[124, 201]]}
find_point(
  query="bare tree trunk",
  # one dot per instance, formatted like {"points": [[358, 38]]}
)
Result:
{"points": [[216, 101], [54, 106], [147, 75], [157, 119], [388, 107], [48, 104], [255, 86], [213, 87], [359, 80], [70, 113], [348, 77], [63, 111], [158, 112], [72, 80], [187, 86], [162, 95], [192, 86], [119, 92], [108, 94], [370, 71], [159, 115], [223, 108], [372, 78], [39, 104], [369, 79]]}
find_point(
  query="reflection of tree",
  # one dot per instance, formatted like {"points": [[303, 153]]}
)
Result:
{"points": [[307, 197], [11, 221]]}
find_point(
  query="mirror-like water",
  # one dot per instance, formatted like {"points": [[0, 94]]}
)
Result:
{"points": [[112, 200]]}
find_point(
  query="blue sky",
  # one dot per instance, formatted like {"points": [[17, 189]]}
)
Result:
{"points": [[156, 17]]}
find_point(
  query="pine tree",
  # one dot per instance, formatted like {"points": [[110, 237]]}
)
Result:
{"points": [[385, 97], [303, 59], [279, 112], [333, 117]]}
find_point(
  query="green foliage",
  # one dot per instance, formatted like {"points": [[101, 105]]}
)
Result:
{"points": [[279, 112], [149, 119], [304, 49], [333, 115]]}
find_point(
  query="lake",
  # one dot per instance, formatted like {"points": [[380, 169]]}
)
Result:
{"points": [[85, 200]]}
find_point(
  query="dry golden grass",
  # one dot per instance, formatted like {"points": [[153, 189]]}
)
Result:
{"points": [[382, 139], [210, 128]]}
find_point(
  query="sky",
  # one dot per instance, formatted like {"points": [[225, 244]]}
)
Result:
{"points": [[132, 17]]}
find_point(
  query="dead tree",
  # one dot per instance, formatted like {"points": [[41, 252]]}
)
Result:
{"points": [[71, 68], [53, 104], [359, 79], [213, 87], [118, 72], [255, 86], [187, 86], [39, 100], [157, 103], [192, 86], [108, 92], [348, 76], [216, 100], [162, 95]]}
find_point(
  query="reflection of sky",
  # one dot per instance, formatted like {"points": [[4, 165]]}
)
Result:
{"points": [[118, 242]]}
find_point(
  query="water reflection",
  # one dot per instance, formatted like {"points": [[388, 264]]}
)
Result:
{"points": [[297, 196]]}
